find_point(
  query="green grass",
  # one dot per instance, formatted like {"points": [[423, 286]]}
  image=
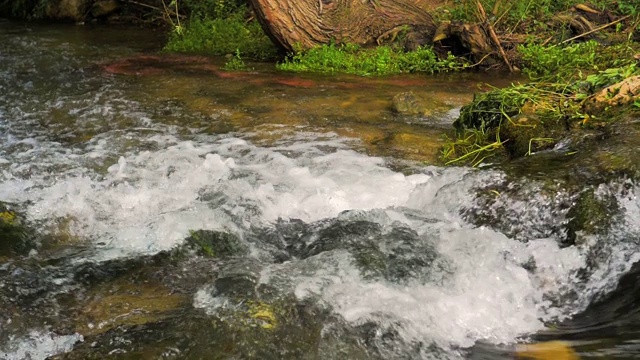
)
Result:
{"points": [[523, 15], [222, 36], [353, 59], [570, 62]]}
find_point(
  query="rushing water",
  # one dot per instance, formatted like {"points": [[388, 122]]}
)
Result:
{"points": [[381, 255]]}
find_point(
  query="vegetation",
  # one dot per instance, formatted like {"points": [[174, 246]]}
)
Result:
{"points": [[222, 36], [524, 16], [522, 119], [236, 63], [566, 63], [23, 9], [381, 60], [570, 79]]}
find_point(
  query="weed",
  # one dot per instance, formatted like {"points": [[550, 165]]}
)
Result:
{"points": [[471, 147], [236, 63]]}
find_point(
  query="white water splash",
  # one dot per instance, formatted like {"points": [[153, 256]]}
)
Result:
{"points": [[38, 345], [148, 201]]}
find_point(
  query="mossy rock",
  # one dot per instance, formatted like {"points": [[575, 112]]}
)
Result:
{"points": [[252, 329], [530, 132], [15, 236], [521, 118], [216, 244], [125, 304], [397, 254], [489, 110], [591, 214]]}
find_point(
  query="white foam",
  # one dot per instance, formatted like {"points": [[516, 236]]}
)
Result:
{"points": [[38, 345], [148, 201], [489, 296]]}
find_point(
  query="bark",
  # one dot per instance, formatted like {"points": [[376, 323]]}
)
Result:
{"points": [[309, 23]]}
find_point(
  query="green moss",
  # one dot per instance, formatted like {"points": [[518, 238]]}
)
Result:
{"points": [[215, 243], [590, 214], [353, 59], [371, 261], [223, 36]]}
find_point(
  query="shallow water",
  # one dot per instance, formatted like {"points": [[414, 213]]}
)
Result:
{"points": [[332, 195]]}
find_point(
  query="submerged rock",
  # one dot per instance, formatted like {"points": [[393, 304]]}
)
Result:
{"points": [[407, 103], [395, 253]]}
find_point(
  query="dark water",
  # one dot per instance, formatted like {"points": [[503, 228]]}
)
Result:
{"points": [[176, 210]]}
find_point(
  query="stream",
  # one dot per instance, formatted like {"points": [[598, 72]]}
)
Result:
{"points": [[179, 211]]}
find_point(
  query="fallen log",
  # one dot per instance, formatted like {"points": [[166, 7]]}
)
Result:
{"points": [[303, 24]]}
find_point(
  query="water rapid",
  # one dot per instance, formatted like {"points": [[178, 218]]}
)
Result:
{"points": [[392, 260]]}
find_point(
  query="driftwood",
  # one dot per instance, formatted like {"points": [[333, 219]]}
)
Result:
{"points": [[309, 23], [493, 35]]}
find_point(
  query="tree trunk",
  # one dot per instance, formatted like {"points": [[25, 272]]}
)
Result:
{"points": [[309, 23]]}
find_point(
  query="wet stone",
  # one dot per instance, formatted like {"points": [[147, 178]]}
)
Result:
{"points": [[216, 244], [592, 213], [396, 253], [406, 103]]}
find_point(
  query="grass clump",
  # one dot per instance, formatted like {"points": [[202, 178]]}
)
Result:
{"points": [[565, 63], [522, 119], [514, 121], [353, 59], [525, 16], [236, 63], [222, 36]]}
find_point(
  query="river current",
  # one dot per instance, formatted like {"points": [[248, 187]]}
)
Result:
{"points": [[323, 186]]}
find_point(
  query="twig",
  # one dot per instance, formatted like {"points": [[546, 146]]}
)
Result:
{"points": [[481, 60], [155, 8], [596, 29], [494, 36]]}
